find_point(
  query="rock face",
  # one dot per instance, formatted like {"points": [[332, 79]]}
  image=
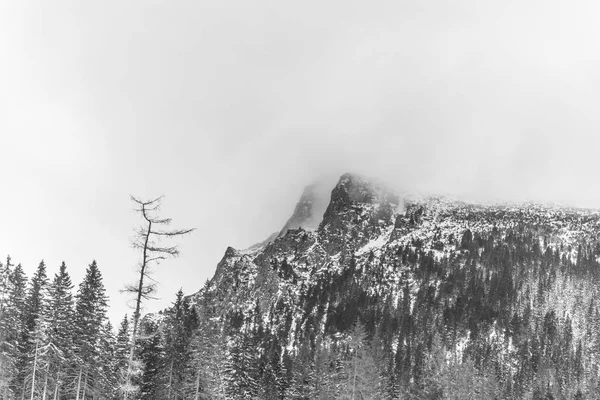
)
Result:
{"points": [[359, 210], [309, 210], [300, 280]]}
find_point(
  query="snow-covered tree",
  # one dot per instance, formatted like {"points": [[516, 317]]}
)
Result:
{"points": [[240, 373], [61, 325], [7, 346], [89, 319]]}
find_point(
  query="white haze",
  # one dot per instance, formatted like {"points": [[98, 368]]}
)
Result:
{"points": [[230, 107]]}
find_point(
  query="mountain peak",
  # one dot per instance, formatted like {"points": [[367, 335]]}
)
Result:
{"points": [[360, 208], [353, 188], [309, 210]]}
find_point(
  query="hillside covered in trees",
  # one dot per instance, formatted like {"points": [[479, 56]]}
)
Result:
{"points": [[387, 298]]}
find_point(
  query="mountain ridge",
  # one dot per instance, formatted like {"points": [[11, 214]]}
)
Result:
{"points": [[364, 217], [480, 285]]}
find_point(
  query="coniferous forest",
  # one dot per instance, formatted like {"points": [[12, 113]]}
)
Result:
{"points": [[458, 302]]}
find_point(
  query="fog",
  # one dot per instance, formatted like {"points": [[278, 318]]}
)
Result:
{"points": [[230, 108]]}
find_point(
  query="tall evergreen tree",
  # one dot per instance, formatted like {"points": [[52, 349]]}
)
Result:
{"points": [[90, 315], [206, 362], [151, 353], [363, 381], [180, 322], [7, 353], [241, 369], [121, 354], [14, 319], [108, 377], [34, 336], [60, 323]]}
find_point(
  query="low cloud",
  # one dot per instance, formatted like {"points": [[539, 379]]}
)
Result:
{"points": [[231, 108]]}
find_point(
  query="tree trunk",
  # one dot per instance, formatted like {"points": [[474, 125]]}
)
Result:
{"points": [[170, 380], [197, 384], [221, 385], [138, 302], [46, 381], [85, 385], [56, 386], [79, 384], [354, 379], [34, 368]]}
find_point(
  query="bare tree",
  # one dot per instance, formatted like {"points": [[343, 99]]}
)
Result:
{"points": [[147, 240]]}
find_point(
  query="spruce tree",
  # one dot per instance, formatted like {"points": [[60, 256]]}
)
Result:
{"points": [[60, 323], [362, 376], [108, 376], [241, 369], [180, 322], [206, 362], [151, 354], [34, 336], [7, 354], [14, 319], [36, 296], [122, 353], [90, 315]]}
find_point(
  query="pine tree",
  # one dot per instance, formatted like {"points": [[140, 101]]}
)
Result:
{"points": [[151, 355], [121, 354], [7, 350], [362, 375], [303, 373], [15, 315], [60, 323], [177, 338], [90, 315], [34, 336], [240, 372], [36, 297], [325, 372], [108, 376], [197, 365], [206, 361]]}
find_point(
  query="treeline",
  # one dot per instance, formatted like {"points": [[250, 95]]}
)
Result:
{"points": [[55, 344]]}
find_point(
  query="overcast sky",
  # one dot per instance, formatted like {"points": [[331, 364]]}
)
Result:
{"points": [[230, 107]]}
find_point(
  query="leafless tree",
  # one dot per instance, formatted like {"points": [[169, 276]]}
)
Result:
{"points": [[148, 240]]}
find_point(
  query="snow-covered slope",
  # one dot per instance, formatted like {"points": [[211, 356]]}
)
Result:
{"points": [[364, 228]]}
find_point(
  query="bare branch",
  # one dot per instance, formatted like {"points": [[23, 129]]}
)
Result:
{"points": [[129, 288], [147, 292], [159, 258], [164, 221], [140, 231], [147, 202], [151, 278], [167, 250], [179, 232]]}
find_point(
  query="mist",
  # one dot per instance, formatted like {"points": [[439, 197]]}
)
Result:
{"points": [[231, 108]]}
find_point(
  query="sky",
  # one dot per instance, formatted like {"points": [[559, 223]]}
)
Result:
{"points": [[229, 108]]}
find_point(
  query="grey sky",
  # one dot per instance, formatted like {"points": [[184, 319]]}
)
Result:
{"points": [[230, 107]]}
